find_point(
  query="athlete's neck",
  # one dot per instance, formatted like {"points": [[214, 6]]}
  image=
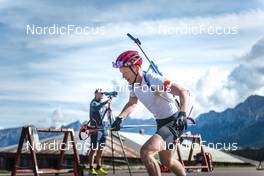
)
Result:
{"points": [[139, 77]]}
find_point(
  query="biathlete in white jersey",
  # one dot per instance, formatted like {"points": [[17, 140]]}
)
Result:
{"points": [[154, 92]]}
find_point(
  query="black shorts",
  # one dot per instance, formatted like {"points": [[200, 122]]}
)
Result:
{"points": [[166, 130], [98, 140]]}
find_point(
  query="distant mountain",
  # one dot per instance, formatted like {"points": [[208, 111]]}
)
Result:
{"points": [[10, 136], [147, 130], [243, 124], [74, 125]]}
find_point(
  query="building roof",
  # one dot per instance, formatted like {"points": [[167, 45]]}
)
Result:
{"points": [[217, 155], [132, 144], [53, 144]]}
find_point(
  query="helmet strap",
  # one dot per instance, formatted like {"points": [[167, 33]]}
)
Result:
{"points": [[136, 74]]}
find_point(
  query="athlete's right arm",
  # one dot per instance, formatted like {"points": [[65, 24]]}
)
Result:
{"points": [[129, 107], [97, 106]]}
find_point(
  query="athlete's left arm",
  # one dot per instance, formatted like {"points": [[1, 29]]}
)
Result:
{"points": [[173, 88], [184, 95]]}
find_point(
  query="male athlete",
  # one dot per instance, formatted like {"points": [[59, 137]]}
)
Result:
{"points": [[170, 121], [98, 140]]}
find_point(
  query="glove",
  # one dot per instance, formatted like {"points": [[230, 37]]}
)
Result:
{"points": [[180, 123], [116, 124]]}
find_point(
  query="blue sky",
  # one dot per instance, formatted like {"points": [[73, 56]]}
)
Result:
{"points": [[42, 73]]}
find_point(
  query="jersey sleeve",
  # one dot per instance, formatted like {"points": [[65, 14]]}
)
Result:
{"points": [[97, 105], [158, 81], [131, 91]]}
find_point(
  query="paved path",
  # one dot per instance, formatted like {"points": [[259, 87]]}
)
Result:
{"points": [[218, 172], [248, 171]]}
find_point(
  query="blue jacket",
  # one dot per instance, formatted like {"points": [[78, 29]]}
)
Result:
{"points": [[97, 110]]}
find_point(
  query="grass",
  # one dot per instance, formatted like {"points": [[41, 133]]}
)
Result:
{"points": [[4, 171]]}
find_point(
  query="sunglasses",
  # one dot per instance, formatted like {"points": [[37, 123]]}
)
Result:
{"points": [[120, 64]]}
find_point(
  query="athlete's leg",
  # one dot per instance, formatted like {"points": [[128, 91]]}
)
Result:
{"points": [[168, 135], [154, 145], [98, 157], [166, 158], [91, 157], [93, 149]]}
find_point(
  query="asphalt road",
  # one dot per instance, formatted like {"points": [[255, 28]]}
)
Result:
{"points": [[246, 171], [251, 171]]}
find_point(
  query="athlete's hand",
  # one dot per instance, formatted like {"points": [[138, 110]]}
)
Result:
{"points": [[180, 122], [116, 124]]}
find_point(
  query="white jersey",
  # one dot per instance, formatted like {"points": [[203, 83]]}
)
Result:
{"points": [[156, 104]]}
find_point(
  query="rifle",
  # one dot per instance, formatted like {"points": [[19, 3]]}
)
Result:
{"points": [[152, 65]]}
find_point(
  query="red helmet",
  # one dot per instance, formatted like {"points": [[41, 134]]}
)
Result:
{"points": [[128, 59]]}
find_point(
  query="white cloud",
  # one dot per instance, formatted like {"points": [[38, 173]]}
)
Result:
{"points": [[56, 119], [67, 69], [217, 90], [165, 27]]}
